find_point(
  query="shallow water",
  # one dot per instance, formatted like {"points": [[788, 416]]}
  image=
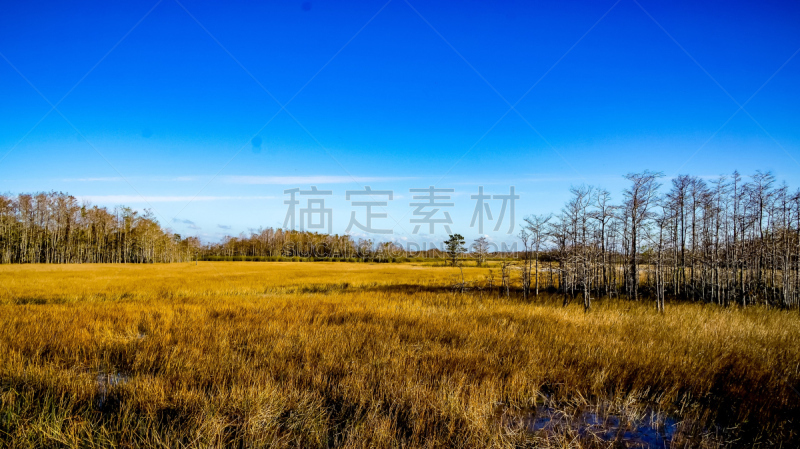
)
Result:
{"points": [[648, 430], [105, 382]]}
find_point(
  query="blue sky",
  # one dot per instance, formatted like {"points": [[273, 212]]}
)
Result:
{"points": [[178, 106]]}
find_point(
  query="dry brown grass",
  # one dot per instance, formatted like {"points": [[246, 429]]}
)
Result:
{"points": [[357, 355]]}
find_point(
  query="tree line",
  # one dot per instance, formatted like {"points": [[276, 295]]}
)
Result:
{"points": [[726, 240], [54, 228], [282, 243]]}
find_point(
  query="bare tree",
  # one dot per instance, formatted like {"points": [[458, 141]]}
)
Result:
{"points": [[525, 237], [639, 198], [603, 214], [480, 248], [536, 226]]}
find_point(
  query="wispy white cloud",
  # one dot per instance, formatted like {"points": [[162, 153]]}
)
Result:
{"points": [[109, 179], [247, 179], [125, 199], [138, 178], [305, 180]]}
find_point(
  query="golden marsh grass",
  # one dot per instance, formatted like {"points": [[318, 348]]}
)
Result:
{"points": [[366, 355]]}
